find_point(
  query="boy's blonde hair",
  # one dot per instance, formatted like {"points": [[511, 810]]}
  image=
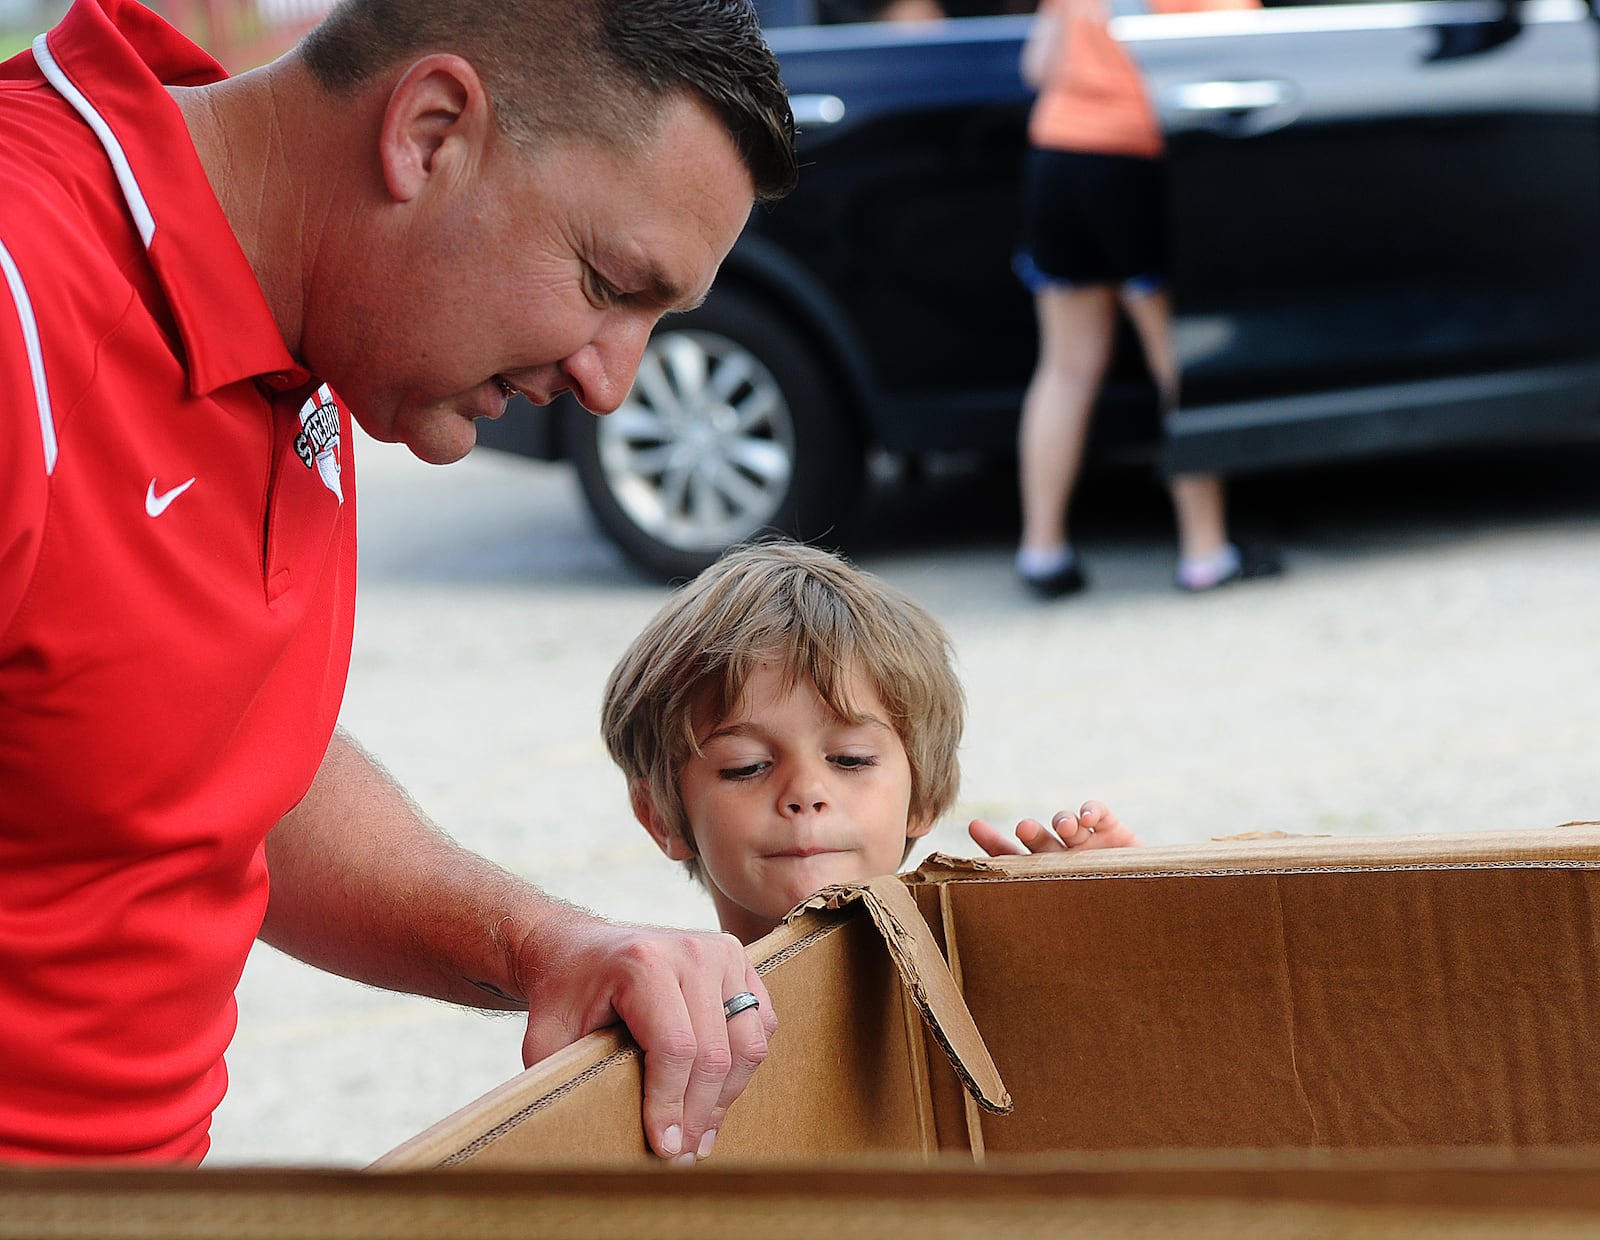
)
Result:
{"points": [[821, 618]]}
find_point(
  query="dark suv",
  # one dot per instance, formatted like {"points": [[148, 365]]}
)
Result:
{"points": [[1387, 235]]}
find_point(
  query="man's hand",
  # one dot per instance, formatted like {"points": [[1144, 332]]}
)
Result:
{"points": [[363, 885], [1093, 826], [668, 988]]}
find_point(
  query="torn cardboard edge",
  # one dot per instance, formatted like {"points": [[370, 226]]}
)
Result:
{"points": [[1266, 853], [927, 979]]}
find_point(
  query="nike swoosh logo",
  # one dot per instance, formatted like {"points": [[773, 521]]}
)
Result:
{"points": [[155, 504]]}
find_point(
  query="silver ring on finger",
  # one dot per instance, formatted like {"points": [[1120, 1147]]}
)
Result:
{"points": [[744, 999]]}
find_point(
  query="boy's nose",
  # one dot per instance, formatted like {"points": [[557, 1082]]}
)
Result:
{"points": [[804, 793]]}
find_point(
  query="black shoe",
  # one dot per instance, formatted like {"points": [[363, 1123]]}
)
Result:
{"points": [[1064, 581], [1253, 563]]}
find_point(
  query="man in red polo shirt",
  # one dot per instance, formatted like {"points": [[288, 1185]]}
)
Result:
{"points": [[428, 206]]}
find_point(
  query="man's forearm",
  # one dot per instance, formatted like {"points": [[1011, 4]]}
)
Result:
{"points": [[364, 886]]}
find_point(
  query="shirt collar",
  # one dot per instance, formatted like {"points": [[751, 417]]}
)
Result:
{"points": [[112, 60]]}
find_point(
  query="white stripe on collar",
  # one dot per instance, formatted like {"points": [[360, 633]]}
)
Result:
{"points": [[137, 206], [30, 342]]}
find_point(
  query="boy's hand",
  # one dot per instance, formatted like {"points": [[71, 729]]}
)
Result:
{"points": [[668, 988], [1093, 826]]}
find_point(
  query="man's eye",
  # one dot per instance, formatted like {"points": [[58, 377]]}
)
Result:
{"points": [[602, 290]]}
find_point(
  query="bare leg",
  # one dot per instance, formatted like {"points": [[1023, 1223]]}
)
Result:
{"points": [[1076, 331], [1197, 499]]}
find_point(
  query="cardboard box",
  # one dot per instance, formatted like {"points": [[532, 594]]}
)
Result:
{"points": [[1296, 1037], [1397, 994], [1281, 1194]]}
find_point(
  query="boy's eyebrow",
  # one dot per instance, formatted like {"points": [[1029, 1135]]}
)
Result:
{"points": [[749, 727]]}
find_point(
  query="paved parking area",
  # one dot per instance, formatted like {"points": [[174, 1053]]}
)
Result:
{"points": [[1430, 664]]}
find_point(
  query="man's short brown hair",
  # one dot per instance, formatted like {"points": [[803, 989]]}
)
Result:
{"points": [[822, 619], [596, 68]]}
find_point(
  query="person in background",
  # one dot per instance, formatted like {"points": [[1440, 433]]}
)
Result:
{"points": [[832, 12], [1093, 240], [787, 722], [425, 208], [910, 11]]}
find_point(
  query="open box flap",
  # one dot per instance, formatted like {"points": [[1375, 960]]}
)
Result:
{"points": [[927, 979]]}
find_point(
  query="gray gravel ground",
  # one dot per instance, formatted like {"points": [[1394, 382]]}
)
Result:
{"points": [[1428, 665]]}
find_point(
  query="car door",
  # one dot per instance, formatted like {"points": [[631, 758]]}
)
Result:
{"points": [[910, 139], [1387, 224]]}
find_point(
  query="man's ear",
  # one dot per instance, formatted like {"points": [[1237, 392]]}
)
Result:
{"points": [[438, 118], [652, 820]]}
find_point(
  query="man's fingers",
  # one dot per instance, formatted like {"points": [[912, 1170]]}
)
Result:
{"points": [[697, 1060], [748, 1034], [668, 1058]]}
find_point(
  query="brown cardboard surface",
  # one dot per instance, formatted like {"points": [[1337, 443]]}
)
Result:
{"points": [[1388, 1008], [1209, 1197], [844, 1075], [919, 958], [1276, 1036], [1280, 993]]}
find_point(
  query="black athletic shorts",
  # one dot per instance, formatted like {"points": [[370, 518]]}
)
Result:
{"points": [[1090, 219]]}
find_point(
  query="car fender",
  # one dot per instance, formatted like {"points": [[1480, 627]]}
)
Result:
{"points": [[764, 268]]}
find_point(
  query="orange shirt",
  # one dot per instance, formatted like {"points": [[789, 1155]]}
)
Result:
{"points": [[1093, 97]]}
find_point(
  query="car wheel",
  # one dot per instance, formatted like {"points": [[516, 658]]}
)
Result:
{"points": [[733, 429]]}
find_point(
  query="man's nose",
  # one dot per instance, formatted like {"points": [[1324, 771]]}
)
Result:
{"points": [[601, 373]]}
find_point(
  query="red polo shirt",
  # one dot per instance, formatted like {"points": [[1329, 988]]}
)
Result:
{"points": [[177, 586]]}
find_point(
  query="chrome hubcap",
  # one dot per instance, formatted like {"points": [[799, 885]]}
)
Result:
{"points": [[701, 452]]}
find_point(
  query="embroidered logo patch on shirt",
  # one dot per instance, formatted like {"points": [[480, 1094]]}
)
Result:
{"points": [[317, 444]]}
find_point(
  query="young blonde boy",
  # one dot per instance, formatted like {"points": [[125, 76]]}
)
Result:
{"points": [[787, 721]]}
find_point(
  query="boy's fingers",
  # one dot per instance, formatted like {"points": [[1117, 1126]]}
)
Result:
{"points": [[1074, 831], [992, 840], [1032, 832]]}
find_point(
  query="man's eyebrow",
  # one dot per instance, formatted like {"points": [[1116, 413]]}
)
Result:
{"points": [[669, 293]]}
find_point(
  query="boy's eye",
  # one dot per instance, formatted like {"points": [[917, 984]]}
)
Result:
{"points": [[742, 772], [853, 761]]}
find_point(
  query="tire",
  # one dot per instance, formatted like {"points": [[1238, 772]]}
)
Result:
{"points": [[734, 429]]}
